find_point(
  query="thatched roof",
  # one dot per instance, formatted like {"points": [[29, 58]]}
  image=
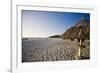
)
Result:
{"points": [[79, 30]]}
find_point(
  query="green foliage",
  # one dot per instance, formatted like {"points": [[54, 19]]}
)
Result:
{"points": [[55, 36]]}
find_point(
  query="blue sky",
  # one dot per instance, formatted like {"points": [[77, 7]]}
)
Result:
{"points": [[45, 24]]}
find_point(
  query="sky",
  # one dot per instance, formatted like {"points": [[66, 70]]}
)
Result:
{"points": [[44, 24]]}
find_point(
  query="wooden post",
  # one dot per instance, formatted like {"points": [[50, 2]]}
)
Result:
{"points": [[81, 37], [80, 48], [80, 43]]}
